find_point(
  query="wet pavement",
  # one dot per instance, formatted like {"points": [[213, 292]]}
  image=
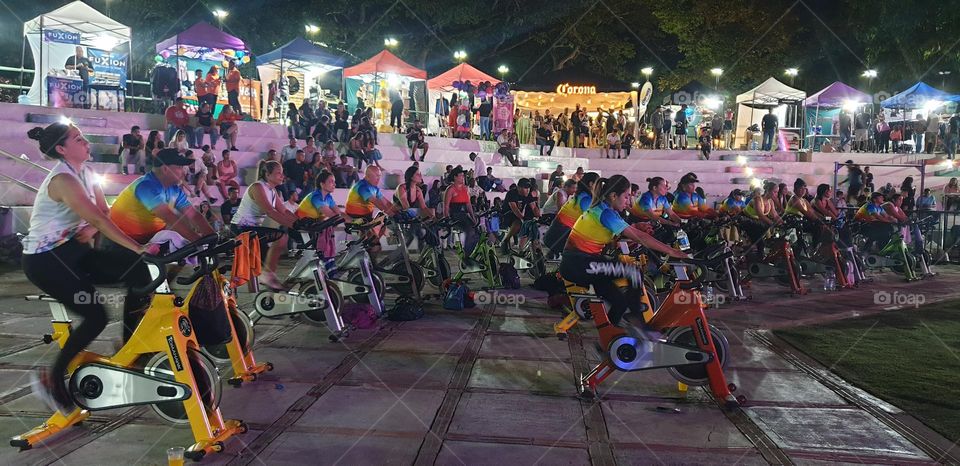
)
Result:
{"points": [[493, 385]]}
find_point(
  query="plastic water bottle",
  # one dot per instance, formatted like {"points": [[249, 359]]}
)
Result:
{"points": [[708, 296], [683, 240], [829, 282]]}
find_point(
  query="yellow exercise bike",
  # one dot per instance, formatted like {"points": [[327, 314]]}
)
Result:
{"points": [[179, 382]]}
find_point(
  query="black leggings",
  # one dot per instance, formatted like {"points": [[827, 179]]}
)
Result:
{"points": [[68, 274], [556, 237], [459, 213], [575, 267]]}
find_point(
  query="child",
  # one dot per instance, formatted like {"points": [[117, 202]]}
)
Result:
{"points": [[613, 143], [706, 144]]}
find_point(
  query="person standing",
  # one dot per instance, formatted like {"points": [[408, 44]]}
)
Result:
{"points": [[860, 123], [680, 126], [883, 134], [769, 125], [396, 111], [657, 121], [213, 86], [953, 131], [919, 126], [728, 129], [81, 63], [932, 131], [233, 87]]}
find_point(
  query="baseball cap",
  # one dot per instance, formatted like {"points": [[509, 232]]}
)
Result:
{"points": [[689, 178], [736, 192], [171, 157]]}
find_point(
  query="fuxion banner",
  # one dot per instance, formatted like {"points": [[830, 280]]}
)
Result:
{"points": [[109, 68], [65, 37]]}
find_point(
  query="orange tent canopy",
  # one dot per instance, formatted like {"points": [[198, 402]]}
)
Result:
{"points": [[382, 63], [461, 72]]}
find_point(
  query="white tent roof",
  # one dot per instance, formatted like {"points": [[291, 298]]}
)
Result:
{"points": [[78, 17], [770, 93]]}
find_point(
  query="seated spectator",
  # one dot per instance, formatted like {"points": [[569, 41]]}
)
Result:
{"points": [[207, 213], [927, 201], [272, 155], [545, 138], [613, 144], [508, 147], [289, 152], [310, 148], [205, 126], [355, 149], [496, 184], [227, 172], [556, 178], [134, 147], [307, 117], [229, 129], [180, 142], [210, 163], [177, 118], [323, 133], [345, 173], [230, 205], [198, 175], [415, 140], [295, 174], [370, 152], [327, 157], [150, 148], [627, 144]]}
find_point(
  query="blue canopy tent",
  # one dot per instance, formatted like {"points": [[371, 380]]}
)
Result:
{"points": [[917, 96], [302, 64]]}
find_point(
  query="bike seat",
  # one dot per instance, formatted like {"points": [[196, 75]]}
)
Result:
{"points": [[40, 297]]}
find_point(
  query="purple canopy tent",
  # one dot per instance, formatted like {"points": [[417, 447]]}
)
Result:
{"points": [[203, 44], [835, 95]]}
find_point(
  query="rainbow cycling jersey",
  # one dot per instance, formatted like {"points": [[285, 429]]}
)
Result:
{"points": [[133, 213]]}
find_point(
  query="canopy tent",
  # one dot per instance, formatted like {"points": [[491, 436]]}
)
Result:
{"points": [[201, 47], [824, 107], [303, 64], [837, 94], [443, 84], [461, 72], [56, 36], [385, 74], [784, 100], [918, 95]]}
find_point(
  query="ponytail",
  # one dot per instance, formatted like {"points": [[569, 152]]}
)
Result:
{"points": [[616, 185], [55, 134], [654, 182], [266, 167], [583, 186]]}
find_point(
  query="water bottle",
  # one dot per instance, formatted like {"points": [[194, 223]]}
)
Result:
{"points": [[829, 282], [708, 296], [683, 240]]}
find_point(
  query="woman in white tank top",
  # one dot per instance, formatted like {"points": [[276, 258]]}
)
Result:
{"points": [[261, 201], [58, 255]]}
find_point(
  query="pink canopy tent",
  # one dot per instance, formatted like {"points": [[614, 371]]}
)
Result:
{"points": [[461, 72]]}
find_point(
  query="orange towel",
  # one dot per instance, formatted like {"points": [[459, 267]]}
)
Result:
{"points": [[246, 260]]}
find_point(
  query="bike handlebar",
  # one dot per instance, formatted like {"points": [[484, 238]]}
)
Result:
{"points": [[176, 256], [204, 268], [314, 225]]}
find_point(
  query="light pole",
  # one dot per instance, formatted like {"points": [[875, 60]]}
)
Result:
{"points": [[503, 70], [717, 72], [460, 56], [220, 15], [647, 72], [943, 78], [390, 42], [792, 72]]}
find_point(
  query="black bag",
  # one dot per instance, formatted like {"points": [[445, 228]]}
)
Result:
{"points": [[405, 309], [509, 276], [208, 313]]}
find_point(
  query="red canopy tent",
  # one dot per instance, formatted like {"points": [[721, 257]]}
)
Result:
{"points": [[461, 72], [384, 63]]}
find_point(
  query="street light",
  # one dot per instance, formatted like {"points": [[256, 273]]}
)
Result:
{"points": [[870, 74], [460, 55], [792, 72], [943, 77], [311, 29], [390, 42], [717, 72], [503, 70], [635, 85], [647, 72], [220, 15]]}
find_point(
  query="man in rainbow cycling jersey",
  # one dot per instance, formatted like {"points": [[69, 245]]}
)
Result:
{"points": [[154, 210], [878, 224], [364, 197], [687, 203]]}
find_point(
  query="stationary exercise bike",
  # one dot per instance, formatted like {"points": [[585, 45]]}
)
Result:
{"points": [[238, 351], [824, 258], [693, 351], [397, 272], [897, 256], [530, 258], [435, 266], [179, 382], [313, 295], [483, 260], [780, 263]]}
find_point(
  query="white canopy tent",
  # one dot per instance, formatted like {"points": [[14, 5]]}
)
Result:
{"points": [[54, 37], [752, 105]]}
